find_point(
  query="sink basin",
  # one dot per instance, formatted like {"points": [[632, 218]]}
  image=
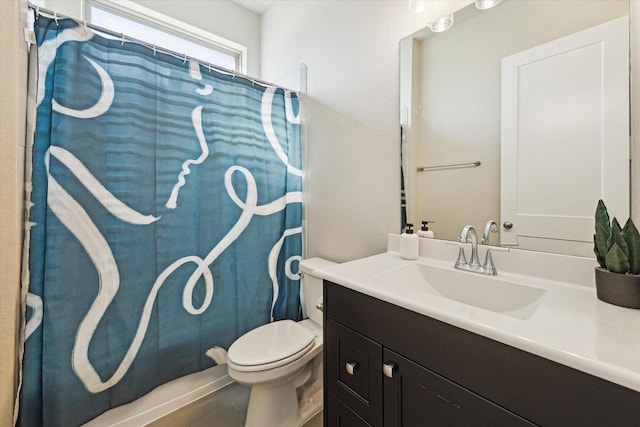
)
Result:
{"points": [[487, 292]]}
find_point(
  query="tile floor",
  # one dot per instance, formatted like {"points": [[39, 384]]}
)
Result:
{"points": [[224, 408]]}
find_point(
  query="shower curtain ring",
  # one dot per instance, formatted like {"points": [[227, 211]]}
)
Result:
{"points": [[122, 44], [84, 23], [154, 50], [55, 18], [184, 60]]}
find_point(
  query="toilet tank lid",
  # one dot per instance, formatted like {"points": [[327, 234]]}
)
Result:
{"points": [[310, 265]]}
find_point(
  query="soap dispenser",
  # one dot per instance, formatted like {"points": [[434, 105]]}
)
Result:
{"points": [[424, 231], [409, 244]]}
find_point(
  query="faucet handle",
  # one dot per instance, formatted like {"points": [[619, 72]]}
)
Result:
{"points": [[488, 267], [462, 259]]}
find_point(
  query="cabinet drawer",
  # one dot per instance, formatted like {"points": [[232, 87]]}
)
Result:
{"points": [[353, 369]]}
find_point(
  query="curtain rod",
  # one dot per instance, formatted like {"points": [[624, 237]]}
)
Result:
{"points": [[128, 39]]}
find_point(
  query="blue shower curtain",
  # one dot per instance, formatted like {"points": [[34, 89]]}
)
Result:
{"points": [[164, 218]]}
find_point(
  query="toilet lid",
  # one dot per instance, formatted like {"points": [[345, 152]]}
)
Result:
{"points": [[273, 342]]}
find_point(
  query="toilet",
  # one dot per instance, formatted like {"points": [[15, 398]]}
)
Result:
{"points": [[282, 361]]}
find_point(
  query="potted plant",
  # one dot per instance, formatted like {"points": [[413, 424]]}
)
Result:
{"points": [[617, 251]]}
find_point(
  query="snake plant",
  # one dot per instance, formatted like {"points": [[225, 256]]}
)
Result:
{"points": [[617, 248]]}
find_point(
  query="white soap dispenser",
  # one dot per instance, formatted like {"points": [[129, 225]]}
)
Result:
{"points": [[409, 244], [424, 231]]}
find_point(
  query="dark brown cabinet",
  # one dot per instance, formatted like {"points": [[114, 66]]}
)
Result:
{"points": [[338, 414], [388, 366], [415, 396]]}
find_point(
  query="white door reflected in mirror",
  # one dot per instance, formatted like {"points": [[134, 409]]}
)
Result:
{"points": [[565, 139]]}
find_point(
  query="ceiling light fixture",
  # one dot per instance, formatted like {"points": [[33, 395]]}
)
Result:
{"points": [[486, 4], [442, 24]]}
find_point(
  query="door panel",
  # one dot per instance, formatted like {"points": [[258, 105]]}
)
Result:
{"points": [[565, 138], [339, 415], [418, 397]]}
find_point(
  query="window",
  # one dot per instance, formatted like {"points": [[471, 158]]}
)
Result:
{"points": [[144, 24]]}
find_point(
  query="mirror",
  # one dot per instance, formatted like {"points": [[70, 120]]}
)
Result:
{"points": [[453, 113]]}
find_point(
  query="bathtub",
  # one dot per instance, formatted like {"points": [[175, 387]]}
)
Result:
{"points": [[165, 399]]}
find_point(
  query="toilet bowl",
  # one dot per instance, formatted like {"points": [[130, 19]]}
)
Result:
{"points": [[282, 361]]}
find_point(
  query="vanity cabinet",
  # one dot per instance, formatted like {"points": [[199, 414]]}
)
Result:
{"points": [[389, 366], [417, 396]]}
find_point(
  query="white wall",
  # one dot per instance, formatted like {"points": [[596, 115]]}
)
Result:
{"points": [[352, 181], [222, 18]]}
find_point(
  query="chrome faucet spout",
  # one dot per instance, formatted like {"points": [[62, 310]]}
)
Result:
{"points": [[490, 226], [464, 238]]}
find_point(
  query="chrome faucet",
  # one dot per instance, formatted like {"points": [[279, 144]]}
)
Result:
{"points": [[490, 226], [473, 263]]}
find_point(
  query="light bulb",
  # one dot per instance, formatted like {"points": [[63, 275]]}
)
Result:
{"points": [[486, 4], [442, 24]]}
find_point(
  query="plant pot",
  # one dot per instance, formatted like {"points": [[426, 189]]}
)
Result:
{"points": [[618, 289]]}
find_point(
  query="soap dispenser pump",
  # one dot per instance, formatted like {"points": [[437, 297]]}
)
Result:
{"points": [[424, 231], [409, 244]]}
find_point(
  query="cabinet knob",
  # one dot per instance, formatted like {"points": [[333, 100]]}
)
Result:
{"points": [[351, 367], [388, 369]]}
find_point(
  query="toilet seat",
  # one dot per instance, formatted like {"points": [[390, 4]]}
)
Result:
{"points": [[270, 346]]}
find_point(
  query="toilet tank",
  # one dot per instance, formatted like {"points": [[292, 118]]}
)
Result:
{"points": [[312, 286]]}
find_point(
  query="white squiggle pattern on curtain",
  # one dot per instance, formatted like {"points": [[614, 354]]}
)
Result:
{"points": [[288, 106], [194, 72], [101, 106], [35, 302], [196, 119], [108, 288], [73, 216], [83, 367], [287, 267], [267, 123], [272, 207], [47, 53], [248, 210], [108, 200], [273, 261]]}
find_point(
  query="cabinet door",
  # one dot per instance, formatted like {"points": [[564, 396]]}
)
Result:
{"points": [[339, 415], [416, 396], [353, 364]]}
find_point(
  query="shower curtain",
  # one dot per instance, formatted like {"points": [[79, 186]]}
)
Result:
{"points": [[164, 218]]}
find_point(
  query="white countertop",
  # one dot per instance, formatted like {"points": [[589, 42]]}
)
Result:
{"points": [[569, 326]]}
